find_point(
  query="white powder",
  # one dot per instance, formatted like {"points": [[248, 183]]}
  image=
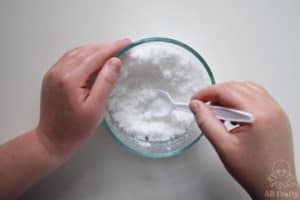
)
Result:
{"points": [[150, 66]]}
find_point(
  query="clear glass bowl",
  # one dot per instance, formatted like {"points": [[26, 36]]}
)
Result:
{"points": [[157, 149]]}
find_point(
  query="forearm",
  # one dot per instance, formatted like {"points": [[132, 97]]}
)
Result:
{"points": [[23, 161]]}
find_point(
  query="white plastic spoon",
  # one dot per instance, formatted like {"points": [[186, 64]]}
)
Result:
{"points": [[167, 105]]}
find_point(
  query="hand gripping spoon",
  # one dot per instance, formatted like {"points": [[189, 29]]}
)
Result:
{"points": [[168, 105]]}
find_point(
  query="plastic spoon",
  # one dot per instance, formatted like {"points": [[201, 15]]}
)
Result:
{"points": [[223, 113]]}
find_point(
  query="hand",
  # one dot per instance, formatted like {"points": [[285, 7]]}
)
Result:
{"points": [[74, 95], [250, 150]]}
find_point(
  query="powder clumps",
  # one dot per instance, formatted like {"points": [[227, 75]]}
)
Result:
{"points": [[145, 68]]}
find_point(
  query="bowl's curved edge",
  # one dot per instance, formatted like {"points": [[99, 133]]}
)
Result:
{"points": [[212, 79], [148, 155]]}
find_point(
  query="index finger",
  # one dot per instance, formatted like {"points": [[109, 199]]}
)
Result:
{"points": [[223, 95], [95, 61]]}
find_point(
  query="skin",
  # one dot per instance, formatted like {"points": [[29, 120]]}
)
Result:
{"points": [[73, 98], [249, 151]]}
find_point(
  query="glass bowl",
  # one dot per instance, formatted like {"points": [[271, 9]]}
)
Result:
{"points": [[157, 149]]}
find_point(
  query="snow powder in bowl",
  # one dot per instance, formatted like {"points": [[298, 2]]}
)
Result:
{"points": [[148, 65]]}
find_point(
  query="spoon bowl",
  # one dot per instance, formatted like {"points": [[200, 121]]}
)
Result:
{"points": [[221, 112]]}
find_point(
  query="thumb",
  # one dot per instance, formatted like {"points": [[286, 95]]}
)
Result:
{"points": [[105, 81], [212, 128]]}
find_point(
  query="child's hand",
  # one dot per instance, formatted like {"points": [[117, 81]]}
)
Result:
{"points": [[250, 151], [74, 95]]}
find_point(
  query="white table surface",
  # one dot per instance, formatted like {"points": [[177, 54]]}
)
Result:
{"points": [[241, 40]]}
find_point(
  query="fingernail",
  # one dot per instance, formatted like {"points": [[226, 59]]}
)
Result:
{"points": [[195, 106], [114, 64], [124, 40]]}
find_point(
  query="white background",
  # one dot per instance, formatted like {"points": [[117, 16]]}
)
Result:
{"points": [[241, 40]]}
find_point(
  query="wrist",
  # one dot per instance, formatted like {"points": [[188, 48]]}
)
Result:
{"points": [[277, 187], [53, 149]]}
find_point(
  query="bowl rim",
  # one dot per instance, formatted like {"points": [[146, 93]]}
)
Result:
{"points": [[211, 77]]}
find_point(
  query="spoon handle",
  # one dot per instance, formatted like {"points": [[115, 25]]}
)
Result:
{"points": [[182, 107], [230, 114], [223, 113]]}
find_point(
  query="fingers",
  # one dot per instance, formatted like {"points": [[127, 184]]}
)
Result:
{"points": [[84, 60], [222, 94], [93, 62], [72, 58], [104, 83], [253, 86], [212, 128], [80, 52]]}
